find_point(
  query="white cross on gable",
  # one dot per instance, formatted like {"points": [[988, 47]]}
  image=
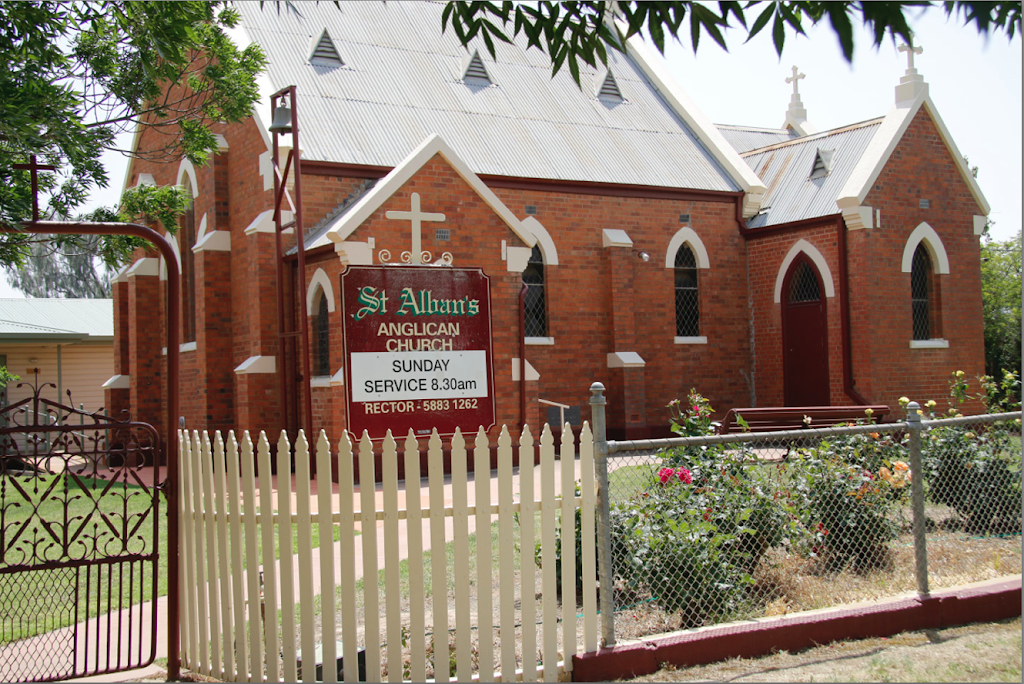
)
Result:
{"points": [[911, 51], [795, 78], [416, 217]]}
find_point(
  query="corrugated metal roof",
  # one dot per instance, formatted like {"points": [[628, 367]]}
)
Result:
{"points": [[57, 318], [746, 138], [402, 81], [317, 235], [785, 169]]}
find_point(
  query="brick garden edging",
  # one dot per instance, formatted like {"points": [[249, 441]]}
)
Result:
{"points": [[979, 602]]}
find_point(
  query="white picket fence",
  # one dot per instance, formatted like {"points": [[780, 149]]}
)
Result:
{"points": [[229, 519]]}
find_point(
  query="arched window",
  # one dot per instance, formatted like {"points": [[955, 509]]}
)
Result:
{"points": [[804, 285], [322, 339], [921, 293], [186, 241], [687, 301], [536, 303]]}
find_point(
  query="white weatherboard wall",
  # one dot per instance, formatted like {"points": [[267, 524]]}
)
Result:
{"points": [[225, 635], [84, 369]]}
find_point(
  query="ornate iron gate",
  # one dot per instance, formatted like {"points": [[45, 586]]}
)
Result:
{"points": [[79, 537]]}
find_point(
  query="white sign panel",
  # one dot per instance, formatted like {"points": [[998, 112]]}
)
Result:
{"points": [[413, 375]]}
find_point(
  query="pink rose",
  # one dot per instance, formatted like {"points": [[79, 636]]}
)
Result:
{"points": [[665, 474], [684, 476]]}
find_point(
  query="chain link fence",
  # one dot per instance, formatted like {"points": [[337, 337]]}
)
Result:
{"points": [[711, 529]]}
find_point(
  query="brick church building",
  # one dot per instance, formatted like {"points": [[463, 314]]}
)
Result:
{"points": [[659, 251]]}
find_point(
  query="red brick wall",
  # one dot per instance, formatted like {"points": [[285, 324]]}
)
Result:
{"points": [[592, 295], [580, 311], [766, 254], [920, 167]]}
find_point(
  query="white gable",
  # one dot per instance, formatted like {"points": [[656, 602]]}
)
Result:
{"points": [[390, 184]]}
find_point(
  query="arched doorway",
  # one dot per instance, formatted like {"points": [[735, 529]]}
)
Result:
{"points": [[804, 336]]}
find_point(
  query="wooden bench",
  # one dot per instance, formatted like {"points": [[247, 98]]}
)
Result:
{"points": [[769, 418]]}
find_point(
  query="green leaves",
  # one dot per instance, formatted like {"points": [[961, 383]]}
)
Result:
{"points": [[77, 74], [574, 32]]}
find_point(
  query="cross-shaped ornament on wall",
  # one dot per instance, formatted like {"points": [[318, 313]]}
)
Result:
{"points": [[416, 255]]}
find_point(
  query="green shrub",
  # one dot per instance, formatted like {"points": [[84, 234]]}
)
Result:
{"points": [[694, 531], [848, 511], [976, 473]]}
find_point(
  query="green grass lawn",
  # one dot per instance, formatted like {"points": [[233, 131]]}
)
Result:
{"points": [[59, 508], [38, 601]]}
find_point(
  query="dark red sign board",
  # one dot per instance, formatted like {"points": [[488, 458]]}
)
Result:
{"points": [[417, 350]]}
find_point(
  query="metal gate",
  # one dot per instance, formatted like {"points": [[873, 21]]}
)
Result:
{"points": [[80, 528]]}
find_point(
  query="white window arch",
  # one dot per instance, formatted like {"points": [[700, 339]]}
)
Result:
{"points": [[926, 235], [687, 235], [186, 168], [321, 281], [815, 256], [544, 241]]}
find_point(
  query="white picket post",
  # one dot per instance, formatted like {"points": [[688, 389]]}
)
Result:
{"points": [[325, 515], [284, 536], [460, 539], [506, 549], [304, 537], [438, 565], [233, 492], [414, 539], [549, 579], [226, 612], [212, 559], [567, 456], [371, 583], [588, 495], [347, 558], [527, 565], [247, 489], [201, 565], [272, 641], [392, 588], [189, 597], [484, 601]]}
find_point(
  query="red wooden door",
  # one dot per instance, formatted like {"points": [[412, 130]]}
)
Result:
{"points": [[804, 336]]}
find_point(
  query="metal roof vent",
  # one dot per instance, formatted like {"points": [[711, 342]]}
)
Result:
{"points": [[474, 70], [822, 164], [324, 53], [608, 88]]}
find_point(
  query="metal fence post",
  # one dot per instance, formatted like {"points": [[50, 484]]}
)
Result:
{"points": [[604, 537], [917, 498]]}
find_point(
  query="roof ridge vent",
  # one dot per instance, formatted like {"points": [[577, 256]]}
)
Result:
{"points": [[822, 164], [473, 69], [323, 51], [608, 87]]}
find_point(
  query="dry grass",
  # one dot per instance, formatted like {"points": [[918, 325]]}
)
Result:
{"points": [[982, 652], [788, 583]]}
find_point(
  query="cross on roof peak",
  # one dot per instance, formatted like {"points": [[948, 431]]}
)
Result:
{"points": [[911, 51], [794, 79]]}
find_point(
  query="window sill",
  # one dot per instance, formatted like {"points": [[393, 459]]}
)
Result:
{"points": [[691, 340], [540, 341], [186, 347], [929, 344], [320, 381]]}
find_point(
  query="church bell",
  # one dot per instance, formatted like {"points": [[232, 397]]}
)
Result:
{"points": [[282, 120]]}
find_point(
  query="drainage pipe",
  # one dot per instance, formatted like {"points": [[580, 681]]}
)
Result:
{"points": [[522, 356]]}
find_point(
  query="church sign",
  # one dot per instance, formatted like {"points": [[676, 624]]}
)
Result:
{"points": [[417, 349]]}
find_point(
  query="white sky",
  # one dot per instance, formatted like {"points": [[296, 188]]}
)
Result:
{"points": [[975, 84]]}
